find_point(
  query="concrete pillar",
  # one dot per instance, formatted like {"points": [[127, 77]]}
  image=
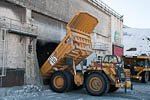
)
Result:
{"points": [[111, 33], [32, 71], [121, 30], [28, 15]]}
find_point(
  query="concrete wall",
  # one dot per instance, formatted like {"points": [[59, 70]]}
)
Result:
{"points": [[116, 30], [17, 50], [51, 17], [16, 46], [12, 11], [66, 9]]}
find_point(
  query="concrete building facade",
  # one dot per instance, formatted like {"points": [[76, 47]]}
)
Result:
{"points": [[31, 29]]}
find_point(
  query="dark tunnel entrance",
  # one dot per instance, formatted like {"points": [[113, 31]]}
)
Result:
{"points": [[44, 50]]}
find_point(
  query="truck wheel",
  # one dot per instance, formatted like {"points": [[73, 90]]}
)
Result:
{"points": [[113, 88], [60, 82], [96, 84], [145, 77], [107, 84]]}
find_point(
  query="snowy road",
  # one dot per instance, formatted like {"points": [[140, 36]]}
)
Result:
{"points": [[141, 92]]}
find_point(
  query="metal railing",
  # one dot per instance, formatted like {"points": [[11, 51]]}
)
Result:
{"points": [[100, 46], [16, 25], [3, 51], [106, 8]]}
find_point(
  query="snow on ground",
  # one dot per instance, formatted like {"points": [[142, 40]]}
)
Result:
{"points": [[30, 92], [137, 41]]}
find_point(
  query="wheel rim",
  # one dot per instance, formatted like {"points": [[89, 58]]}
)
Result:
{"points": [[95, 84], [58, 82], [146, 76]]}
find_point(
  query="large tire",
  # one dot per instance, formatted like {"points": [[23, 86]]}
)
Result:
{"points": [[70, 75], [113, 88], [60, 82], [96, 84], [145, 77], [107, 83]]}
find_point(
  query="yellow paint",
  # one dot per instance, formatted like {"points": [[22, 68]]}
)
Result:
{"points": [[128, 84], [143, 57], [122, 85]]}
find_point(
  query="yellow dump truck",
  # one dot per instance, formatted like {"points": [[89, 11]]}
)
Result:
{"points": [[139, 67], [60, 67]]}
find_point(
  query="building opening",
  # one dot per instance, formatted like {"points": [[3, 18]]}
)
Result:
{"points": [[44, 49]]}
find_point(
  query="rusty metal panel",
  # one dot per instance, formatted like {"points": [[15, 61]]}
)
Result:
{"points": [[14, 77]]}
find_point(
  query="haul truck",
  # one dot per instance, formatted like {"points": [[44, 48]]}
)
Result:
{"points": [[139, 66], [60, 67]]}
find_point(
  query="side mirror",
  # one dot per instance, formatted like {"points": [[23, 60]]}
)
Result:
{"points": [[69, 62]]}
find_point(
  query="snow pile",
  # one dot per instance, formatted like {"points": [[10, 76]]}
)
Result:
{"points": [[136, 42]]}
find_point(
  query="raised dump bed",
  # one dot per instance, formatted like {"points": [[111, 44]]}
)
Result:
{"points": [[75, 47]]}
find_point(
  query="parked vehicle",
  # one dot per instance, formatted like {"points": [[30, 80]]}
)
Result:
{"points": [[139, 67]]}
